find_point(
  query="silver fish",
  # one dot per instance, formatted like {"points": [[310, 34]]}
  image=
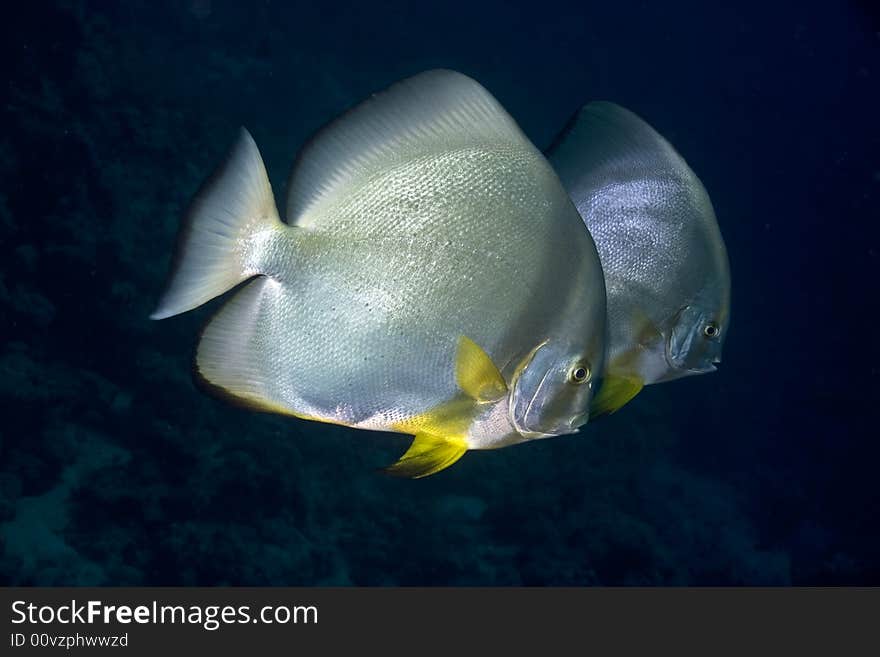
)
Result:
{"points": [[665, 263], [432, 278]]}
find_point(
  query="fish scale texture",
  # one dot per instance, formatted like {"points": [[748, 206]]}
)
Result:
{"points": [[360, 322], [655, 230]]}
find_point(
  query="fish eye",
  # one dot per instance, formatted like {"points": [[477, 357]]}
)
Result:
{"points": [[711, 330], [579, 373]]}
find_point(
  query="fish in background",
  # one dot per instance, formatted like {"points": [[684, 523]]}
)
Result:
{"points": [[666, 269], [432, 278]]}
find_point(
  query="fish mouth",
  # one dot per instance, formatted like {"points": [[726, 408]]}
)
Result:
{"points": [[679, 361], [685, 371], [705, 368]]}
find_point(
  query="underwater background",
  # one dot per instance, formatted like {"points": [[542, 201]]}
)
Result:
{"points": [[116, 469]]}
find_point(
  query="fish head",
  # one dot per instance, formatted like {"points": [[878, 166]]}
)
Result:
{"points": [[693, 344], [698, 329], [551, 389]]}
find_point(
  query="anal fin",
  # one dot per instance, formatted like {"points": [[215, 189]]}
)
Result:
{"points": [[231, 360], [616, 392], [428, 455]]}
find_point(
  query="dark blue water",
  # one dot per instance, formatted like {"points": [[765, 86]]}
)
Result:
{"points": [[115, 469]]}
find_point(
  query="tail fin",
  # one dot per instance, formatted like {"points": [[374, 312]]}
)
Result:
{"points": [[234, 203]]}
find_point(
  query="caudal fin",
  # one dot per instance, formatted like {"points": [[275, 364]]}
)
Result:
{"points": [[233, 205]]}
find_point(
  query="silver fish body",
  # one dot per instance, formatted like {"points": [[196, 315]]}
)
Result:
{"points": [[432, 278], [665, 263]]}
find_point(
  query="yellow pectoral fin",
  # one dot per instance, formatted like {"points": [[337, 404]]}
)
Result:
{"points": [[476, 374], [427, 455], [615, 392]]}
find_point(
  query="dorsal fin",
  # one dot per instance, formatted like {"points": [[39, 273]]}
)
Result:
{"points": [[606, 140], [435, 111]]}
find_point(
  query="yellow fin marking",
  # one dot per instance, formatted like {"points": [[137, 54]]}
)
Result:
{"points": [[440, 438], [476, 374], [452, 418], [615, 392], [428, 455], [441, 432]]}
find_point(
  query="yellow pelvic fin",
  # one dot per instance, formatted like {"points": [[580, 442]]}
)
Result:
{"points": [[476, 374], [427, 455], [441, 432], [440, 438], [615, 392]]}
